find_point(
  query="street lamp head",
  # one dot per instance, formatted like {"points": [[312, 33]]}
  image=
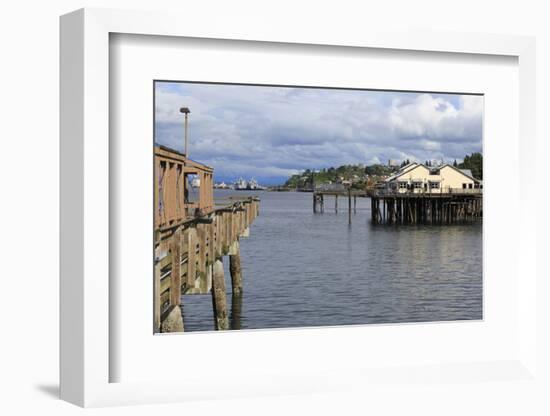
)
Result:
{"points": [[185, 110]]}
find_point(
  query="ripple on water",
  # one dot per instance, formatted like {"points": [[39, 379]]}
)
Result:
{"points": [[302, 269]]}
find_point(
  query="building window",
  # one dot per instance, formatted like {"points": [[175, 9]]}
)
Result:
{"points": [[470, 185], [417, 185], [463, 186], [402, 185], [434, 185]]}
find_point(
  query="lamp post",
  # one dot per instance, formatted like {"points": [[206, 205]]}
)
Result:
{"points": [[186, 111]]}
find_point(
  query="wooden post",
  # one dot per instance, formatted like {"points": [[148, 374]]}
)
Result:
{"points": [[336, 203], [235, 269], [156, 301], [211, 242], [354, 203], [219, 236], [314, 202], [202, 235], [191, 257], [219, 301], [175, 283], [349, 205]]}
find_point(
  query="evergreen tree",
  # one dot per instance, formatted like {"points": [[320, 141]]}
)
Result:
{"points": [[474, 162]]}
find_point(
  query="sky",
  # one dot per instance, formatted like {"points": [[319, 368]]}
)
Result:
{"points": [[270, 133]]}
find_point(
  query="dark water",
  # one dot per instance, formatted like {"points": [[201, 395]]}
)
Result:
{"points": [[305, 269]]}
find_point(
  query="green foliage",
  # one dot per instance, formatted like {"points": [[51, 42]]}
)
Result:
{"points": [[378, 170], [357, 174], [474, 162], [361, 175]]}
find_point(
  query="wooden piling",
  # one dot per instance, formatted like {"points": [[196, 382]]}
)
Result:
{"points": [[236, 308], [349, 205], [235, 270], [219, 301]]}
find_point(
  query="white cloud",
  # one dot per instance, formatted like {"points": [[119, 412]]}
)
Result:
{"points": [[272, 132]]}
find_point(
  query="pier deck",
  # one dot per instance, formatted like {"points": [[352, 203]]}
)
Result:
{"points": [[191, 239], [412, 207]]}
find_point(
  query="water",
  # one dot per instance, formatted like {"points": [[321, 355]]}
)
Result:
{"points": [[304, 269]]}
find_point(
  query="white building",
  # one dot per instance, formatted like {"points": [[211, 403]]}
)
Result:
{"points": [[419, 178]]}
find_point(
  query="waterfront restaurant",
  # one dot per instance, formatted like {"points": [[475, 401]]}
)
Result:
{"points": [[419, 178]]}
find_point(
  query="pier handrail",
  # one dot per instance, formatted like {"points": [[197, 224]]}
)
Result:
{"points": [[171, 188], [186, 255]]}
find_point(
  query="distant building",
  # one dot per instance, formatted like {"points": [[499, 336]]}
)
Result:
{"points": [[418, 178]]}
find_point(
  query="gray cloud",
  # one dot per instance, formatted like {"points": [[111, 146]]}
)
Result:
{"points": [[272, 132]]}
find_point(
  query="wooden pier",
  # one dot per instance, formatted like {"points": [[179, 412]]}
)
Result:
{"points": [[450, 207], [341, 192], [192, 238], [390, 207]]}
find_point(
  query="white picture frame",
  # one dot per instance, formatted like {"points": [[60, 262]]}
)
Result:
{"points": [[85, 212]]}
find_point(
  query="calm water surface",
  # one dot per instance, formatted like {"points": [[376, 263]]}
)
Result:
{"points": [[305, 269]]}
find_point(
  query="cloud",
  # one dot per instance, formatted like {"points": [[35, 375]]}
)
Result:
{"points": [[272, 132]]}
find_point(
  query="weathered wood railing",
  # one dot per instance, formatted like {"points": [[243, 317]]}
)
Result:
{"points": [[188, 260], [172, 188]]}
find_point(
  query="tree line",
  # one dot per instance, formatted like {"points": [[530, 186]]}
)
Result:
{"points": [[361, 175]]}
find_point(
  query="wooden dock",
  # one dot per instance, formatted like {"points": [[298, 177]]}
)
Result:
{"points": [[336, 192], [450, 207], [391, 207], [191, 240]]}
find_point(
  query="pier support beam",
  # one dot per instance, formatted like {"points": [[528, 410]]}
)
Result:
{"points": [[235, 269], [219, 301]]}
